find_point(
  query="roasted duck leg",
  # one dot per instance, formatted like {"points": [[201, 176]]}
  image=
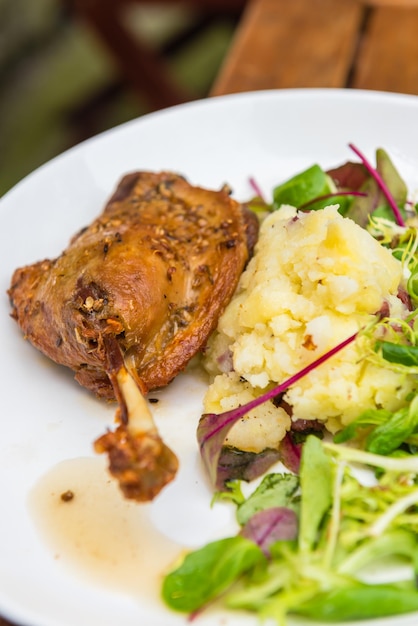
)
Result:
{"points": [[150, 276]]}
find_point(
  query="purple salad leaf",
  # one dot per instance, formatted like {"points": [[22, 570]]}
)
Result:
{"points": [[290, 453], [213, 428], [349, 177], [236, 464], [270, 525]]}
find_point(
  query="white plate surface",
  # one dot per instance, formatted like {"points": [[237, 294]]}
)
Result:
{"points": [[47, 419]]}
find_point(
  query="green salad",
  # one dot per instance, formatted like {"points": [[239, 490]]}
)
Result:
{"points": [[312, 537]]}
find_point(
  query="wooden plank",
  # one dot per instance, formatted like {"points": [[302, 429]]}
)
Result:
{"points": [[389, 51], [393, 3], [297, 43]]}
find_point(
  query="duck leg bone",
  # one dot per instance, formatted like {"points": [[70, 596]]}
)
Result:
{"points": [[138, 457]]}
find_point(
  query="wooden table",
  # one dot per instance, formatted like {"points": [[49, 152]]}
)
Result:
{"points": [[363, 44]]}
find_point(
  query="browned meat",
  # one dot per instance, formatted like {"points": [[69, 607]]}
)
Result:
{"points": [[154, 271]]}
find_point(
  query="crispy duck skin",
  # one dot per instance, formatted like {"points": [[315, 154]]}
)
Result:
{"points": [[153, 272]]}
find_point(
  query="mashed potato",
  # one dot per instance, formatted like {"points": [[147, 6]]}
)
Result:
{"points": [[315, 279]]}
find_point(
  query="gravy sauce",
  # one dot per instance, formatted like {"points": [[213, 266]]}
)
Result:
{"points": [[82, 516]]}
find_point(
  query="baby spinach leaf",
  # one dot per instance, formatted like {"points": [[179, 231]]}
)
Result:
{"points": [[359, 601], [316, 486], [303, 188], [207, 572]]}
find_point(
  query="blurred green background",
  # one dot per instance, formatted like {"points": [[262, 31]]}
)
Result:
{"points": [[60, 85]]}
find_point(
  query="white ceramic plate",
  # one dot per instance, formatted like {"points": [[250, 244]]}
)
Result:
{"points": [[48, 422]]}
